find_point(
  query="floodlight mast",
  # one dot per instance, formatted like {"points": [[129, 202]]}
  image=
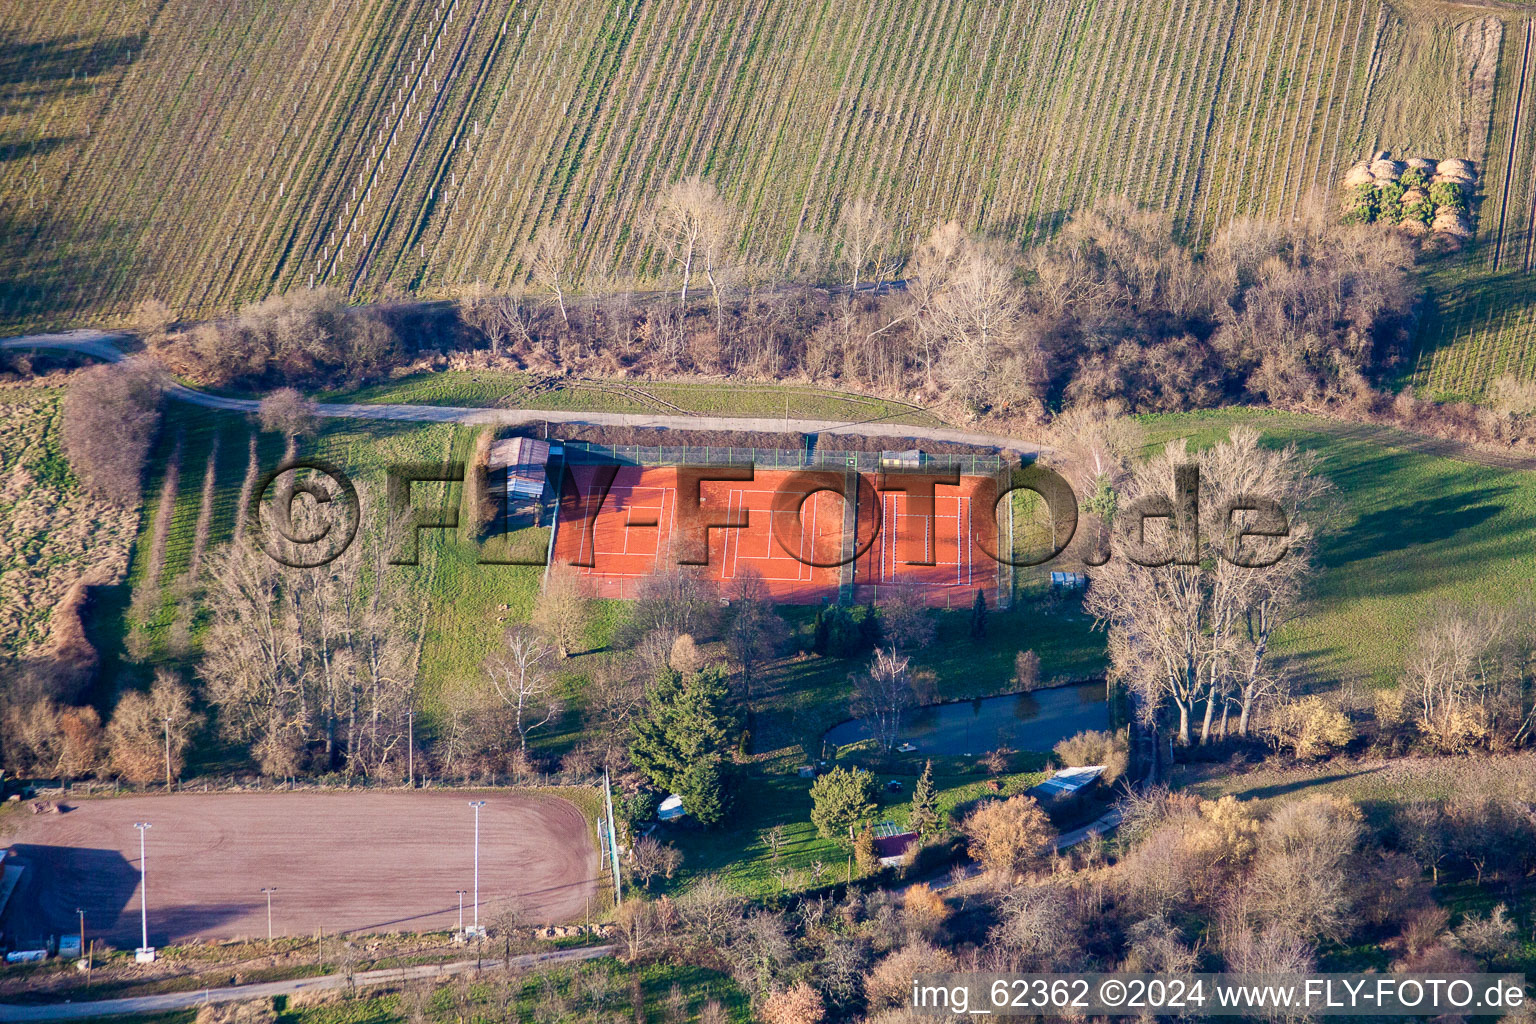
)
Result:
{"points": [[477, 804], [143, 826], [269, 890]]}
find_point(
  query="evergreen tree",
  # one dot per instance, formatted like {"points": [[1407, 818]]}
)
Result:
{"points": [[845, 635], [681, 740], [651, 746], [819, 643], [869, 626], [925, 804], [979, 616], [704, 791], [840, 800]]}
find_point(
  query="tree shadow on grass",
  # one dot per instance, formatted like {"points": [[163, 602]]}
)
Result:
{"points": [[1298, 785], [1415, 523]]}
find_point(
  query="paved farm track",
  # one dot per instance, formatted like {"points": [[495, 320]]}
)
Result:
{"points": [[364, 862]]}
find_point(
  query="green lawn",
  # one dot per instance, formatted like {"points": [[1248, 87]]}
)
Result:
{"points": [[525, 391], [1413, 533], [741, 855], [805, 696], [463, 603]]}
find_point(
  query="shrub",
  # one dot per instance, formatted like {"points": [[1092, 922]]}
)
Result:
{"points": [[865, 855], [798, 1004], [1490, 939], [1390, 201], [1362, 205], [259, 1011], [1446, 195], [1509, 394], [1421, 210], [890, 983], [1312, 728], [1110, 749], [1009, 836], [287, 412], [479, 499], [925, 909], [1026, 671], [304, 335], [110, 417]]}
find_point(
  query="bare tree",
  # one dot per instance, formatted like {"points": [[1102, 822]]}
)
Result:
{"points": [[693, 225], [756, 633], [498, 318], [562, 609], [906, 622], [976, 319], [883, 694], [295, 655], [1464, 677], [287, 412], [549, 259], [864, 236], [519, 677], [148, 734], [649, 858], [1196, 635]]}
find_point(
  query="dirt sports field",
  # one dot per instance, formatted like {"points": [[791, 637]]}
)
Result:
{"points": [[362, 862], [619, 536]]}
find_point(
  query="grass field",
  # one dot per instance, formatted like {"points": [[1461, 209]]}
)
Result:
{"points": [[742, 856], [51, 533], [519, 390], [459, 599], [209, 154], [1413, 533]]}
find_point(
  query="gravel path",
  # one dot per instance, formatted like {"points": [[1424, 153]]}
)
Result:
{"points": [[266, 990]]}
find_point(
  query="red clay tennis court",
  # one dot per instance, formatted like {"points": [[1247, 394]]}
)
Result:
{"points": [[939, 549], [794, 536]]}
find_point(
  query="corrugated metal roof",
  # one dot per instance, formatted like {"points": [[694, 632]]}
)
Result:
{"points": [[1070, 780], [520, 457]]}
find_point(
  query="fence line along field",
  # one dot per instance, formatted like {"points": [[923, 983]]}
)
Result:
{"points": [[341, 862], [208, 154]]}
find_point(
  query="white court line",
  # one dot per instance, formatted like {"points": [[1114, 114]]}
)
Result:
{"points": [[728, 563], [664, 540], [662, 494]]}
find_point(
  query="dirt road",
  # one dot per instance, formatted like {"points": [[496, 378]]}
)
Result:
{"points": [[265, 990], [341, 862]]}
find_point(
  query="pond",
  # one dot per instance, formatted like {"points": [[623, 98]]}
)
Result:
{"points": [[1023, 721]]}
